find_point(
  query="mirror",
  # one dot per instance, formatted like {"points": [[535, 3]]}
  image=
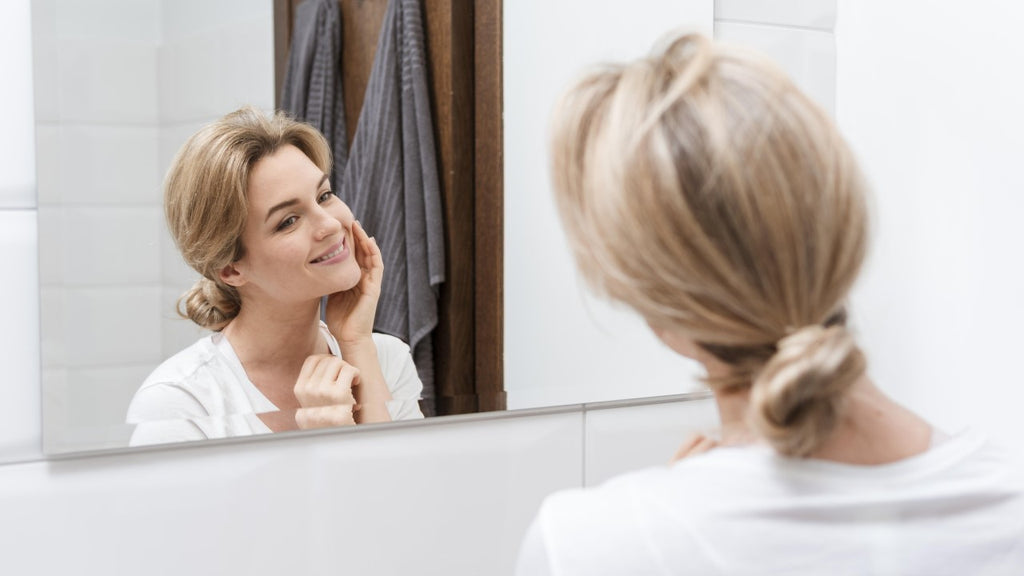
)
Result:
{"points": [[121, 84]]}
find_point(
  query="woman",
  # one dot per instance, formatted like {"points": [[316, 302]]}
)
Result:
{"points": [[702, 189], [249, 204]]}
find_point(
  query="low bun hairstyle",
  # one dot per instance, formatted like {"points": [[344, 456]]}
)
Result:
{"points": [[700, 187], [205, 200]]}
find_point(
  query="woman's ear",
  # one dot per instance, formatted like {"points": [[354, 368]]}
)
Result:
{"points": [[231, 276]]}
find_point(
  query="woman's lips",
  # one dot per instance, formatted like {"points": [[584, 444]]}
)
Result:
{"points": [[336, 253]]}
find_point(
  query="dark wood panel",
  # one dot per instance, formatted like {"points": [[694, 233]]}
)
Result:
{"points": [[489, 206], [361, 21], [449, 31]]}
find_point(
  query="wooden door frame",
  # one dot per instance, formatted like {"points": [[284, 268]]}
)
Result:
{"points": [[464, 49]]}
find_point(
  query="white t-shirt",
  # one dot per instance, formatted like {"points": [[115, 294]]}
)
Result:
{"points": [[957, 509], [203, 392]]}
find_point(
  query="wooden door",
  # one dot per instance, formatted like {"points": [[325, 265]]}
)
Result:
{"points": [[463, 42]]}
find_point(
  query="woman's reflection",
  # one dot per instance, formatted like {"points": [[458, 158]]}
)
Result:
{"points": [[249, 204]]}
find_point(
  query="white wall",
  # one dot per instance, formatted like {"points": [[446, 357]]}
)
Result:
{"points": [[929, 95], [563, 346]]}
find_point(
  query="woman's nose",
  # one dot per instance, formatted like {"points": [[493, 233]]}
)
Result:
{"points": [[327, 224]]}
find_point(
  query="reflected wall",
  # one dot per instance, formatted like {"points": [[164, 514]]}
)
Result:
{"points": [[120, 85]]}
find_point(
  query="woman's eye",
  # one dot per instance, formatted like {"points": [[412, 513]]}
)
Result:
{"points": [[286, 222], [325, 196]]}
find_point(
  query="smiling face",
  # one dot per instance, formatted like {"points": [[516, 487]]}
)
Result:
{"points": [[298, 235]]}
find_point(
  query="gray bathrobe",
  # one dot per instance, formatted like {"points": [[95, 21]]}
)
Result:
{"points": [[389, 178]]}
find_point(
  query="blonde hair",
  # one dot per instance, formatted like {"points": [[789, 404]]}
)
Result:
{"points": [[702, 188], [205, 200]]}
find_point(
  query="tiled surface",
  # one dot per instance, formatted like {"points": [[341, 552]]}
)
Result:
{"points": [[17, 176], [210, 74], [108, 83], [439, 499], [619, 440], [100, 326], [808, 56], [106, 164], [109, 20], [819, 14], [105, 245], [19, 336], [184, 19]]}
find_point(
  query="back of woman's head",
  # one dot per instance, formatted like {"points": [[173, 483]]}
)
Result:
{"points": [[205, 200], [702, 188]]}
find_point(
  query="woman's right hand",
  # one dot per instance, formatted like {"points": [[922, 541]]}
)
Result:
{"points": [[324, 392]]}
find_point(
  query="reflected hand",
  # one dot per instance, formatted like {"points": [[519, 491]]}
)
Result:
{"points": [[350, 314], [324, 392]]}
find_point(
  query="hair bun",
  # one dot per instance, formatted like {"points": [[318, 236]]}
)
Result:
{"points": [[796, 398], [209, 304]]}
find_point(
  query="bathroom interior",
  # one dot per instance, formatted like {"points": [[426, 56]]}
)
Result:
{"points": [[538, 385]]}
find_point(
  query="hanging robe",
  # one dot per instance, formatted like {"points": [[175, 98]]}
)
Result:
{"points": [[389, 178]]}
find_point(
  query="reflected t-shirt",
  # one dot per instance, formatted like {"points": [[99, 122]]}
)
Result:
{"points": [[203, 392]]}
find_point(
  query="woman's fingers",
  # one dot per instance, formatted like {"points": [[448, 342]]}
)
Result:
{"points": [[326, 380], [325, 416], [370, 255], [695, 444]]}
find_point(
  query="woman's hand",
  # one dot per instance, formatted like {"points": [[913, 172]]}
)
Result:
{"points": [[695, 444], [324, 392], [350, 314]]}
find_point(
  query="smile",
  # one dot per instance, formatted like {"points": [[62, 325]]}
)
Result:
{"points": [[336, 251]]}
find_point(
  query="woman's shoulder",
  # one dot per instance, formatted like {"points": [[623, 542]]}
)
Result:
{"points": [[186, 365]]}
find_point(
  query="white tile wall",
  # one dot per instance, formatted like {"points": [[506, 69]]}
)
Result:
{"points": [[800, 13], [19, 336], [108, 83], [101, 326], [233, 66], [628, 438], [435, 499], [109, 20], [101, 245], [808, 56], [17, 154], [183, 19], [108, 164]]}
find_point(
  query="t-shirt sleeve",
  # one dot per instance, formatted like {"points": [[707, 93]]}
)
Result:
{"points": [[164, 413], [402, 379]]}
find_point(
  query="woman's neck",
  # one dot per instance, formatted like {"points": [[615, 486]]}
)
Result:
{"points": [[275, 337], [872, 429]]}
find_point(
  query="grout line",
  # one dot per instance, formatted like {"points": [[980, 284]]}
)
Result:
{"points": [[775, 25], [583, 445]]}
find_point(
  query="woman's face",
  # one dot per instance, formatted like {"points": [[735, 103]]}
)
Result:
{"points": [[298, 235]]}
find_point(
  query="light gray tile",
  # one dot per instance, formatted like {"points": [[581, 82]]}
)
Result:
{"points": [[619, 440], [110, 164], [108, 83], [804, 13], [110, 245], [48, 172], [808, 56], [109, 20], [19, 336], [111, 325]]}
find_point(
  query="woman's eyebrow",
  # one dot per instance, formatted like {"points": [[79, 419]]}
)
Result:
{"points": [[292, 202], [281, 206]]}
